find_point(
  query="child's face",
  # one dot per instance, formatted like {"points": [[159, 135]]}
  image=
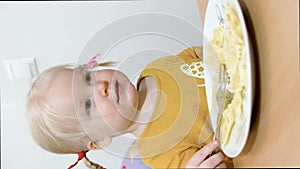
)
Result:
{"points": [[104, 98]]}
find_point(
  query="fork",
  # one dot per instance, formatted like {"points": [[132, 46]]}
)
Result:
{"points": [[223, 95], [222, 84], [220, 97], [222, 21]]}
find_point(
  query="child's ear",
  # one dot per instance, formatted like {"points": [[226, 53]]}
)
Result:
{"points": [[98, 144]]}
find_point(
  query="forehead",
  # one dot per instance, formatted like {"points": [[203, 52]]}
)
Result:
{"points": [[59, 93]]}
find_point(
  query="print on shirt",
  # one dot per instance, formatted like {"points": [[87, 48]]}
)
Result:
{"points": [[194, 69]]}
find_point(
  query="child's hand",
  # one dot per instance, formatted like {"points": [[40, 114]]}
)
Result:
{"points": [[202, 158]]}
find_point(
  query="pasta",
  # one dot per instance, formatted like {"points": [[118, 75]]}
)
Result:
{"points": [[229, 45]]}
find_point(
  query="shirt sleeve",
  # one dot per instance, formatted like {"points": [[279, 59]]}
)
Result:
{"points": [[171, 159], [195, 52]]}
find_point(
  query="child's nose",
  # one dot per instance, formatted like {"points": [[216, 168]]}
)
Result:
{"points": [[102, 87]]}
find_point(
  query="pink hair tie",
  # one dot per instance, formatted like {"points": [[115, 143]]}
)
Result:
{"points": [[81, 155], [93, 62]]}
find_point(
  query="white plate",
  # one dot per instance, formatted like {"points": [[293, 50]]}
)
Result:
{"points": [[239, 135]]}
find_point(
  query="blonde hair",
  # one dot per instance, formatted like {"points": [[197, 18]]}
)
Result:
{"points": [[50, 130]]}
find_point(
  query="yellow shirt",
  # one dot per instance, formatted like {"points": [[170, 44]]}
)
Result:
{"points": [[180, 124]]}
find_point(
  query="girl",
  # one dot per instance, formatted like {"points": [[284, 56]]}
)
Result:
{"points": [[75, 110]]}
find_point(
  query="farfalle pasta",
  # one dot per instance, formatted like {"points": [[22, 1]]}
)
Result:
{"points": [[228, 42]]}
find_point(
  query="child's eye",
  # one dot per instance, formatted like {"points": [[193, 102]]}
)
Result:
{"points": [[88, 105], [89, 78]]}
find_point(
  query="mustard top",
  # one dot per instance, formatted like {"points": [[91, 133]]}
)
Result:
{"points": [[180, 124]]}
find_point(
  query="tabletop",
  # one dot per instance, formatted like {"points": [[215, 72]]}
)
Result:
{"points": [[274, 134]]}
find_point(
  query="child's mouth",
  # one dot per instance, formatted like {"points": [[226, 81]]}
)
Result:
{"points": [[117, 91]]}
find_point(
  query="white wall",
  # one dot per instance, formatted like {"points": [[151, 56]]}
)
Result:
{"points": [[55, 33]]}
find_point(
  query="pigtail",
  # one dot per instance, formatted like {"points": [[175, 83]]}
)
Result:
{"points": [[108, 64], [87, 161], [92, 63], [92, 165]]}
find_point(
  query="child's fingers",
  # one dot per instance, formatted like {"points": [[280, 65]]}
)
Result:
{"points": [[222, 165], [202, 154], [214, 160]]}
